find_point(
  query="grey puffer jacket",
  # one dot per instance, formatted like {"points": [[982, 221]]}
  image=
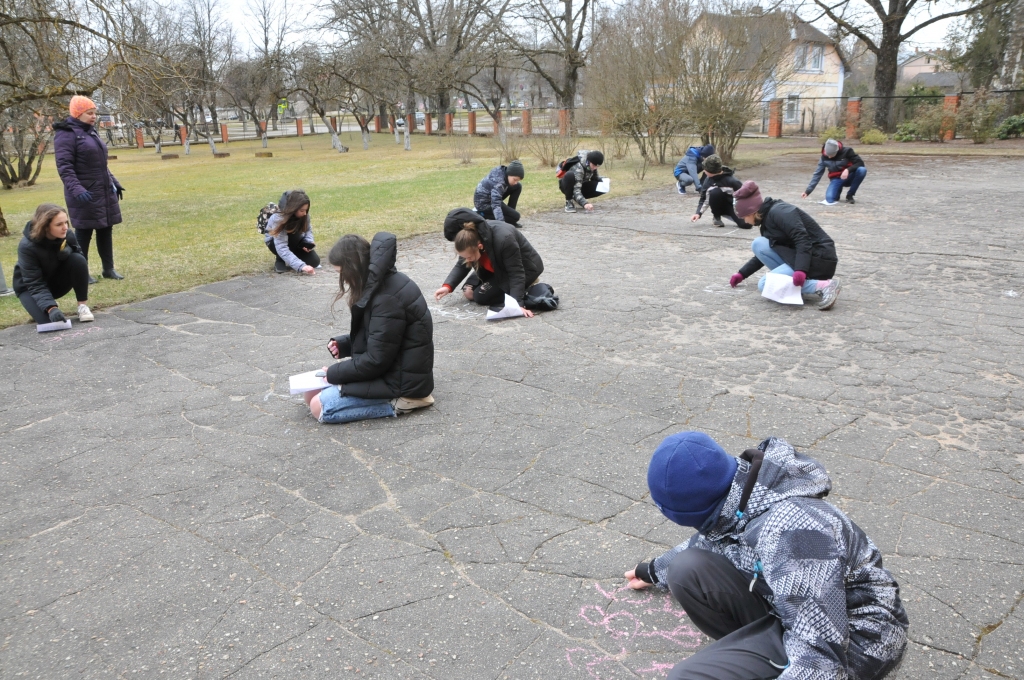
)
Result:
{"points": [[823, 576], [491, 191]]}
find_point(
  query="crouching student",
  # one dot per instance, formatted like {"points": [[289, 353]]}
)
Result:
{"points": [[845, 169], [783, 581], [50, 265], [502, 182], [390, 343], [791, 243], [690, 166], [579, 184], [496, 256], [290, 235], [716, 193]]}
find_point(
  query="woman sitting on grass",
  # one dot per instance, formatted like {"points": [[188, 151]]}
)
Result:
{"points": [[290, 235], [391, 340], [51, 264]]}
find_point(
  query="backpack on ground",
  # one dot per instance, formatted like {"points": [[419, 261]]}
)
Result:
{"points": [[264, 217], [541, 297], [565, 166]]}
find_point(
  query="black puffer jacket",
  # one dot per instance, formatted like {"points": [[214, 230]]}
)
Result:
{"points": [[392, 336], [797, 238], [725, 180], [38, 261], [516, 263]]}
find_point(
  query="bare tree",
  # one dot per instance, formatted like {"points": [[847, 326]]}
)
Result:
{"points": [[880, 26]]}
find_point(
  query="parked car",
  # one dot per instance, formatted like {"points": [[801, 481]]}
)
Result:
{"points": [[399, 122], [420, 117]]}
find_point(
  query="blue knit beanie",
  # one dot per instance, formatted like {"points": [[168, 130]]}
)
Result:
{"points": [[688, 476], [707, 150]]}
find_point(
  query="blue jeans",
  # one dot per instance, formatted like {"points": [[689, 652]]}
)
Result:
{"points": [[335, 408], [769, 258], [835, 187]]}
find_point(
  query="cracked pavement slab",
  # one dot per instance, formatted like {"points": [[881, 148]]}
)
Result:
{"points": [[167, 508]]}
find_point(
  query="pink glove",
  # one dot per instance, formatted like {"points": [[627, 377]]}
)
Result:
{"points": [[799, 278], [735, 279]]}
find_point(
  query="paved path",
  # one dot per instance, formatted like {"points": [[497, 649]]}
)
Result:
{"points": [[167, 510]]}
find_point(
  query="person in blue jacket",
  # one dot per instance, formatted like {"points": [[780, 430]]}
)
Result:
{"points": [[690, 166], [502, 182]]}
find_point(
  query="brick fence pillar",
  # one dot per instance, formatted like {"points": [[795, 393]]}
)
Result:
{"points": [[140, 141], [298, 127], [951, 104], [775, 118], [527, 122], [410, 122], [428, 124], [376, 124], [449, 123], [263, 127], [472, 122], [497, 123], [852, 117], [182, 135], [391, 124], [563, 122], [334, 123], [224, 133]]}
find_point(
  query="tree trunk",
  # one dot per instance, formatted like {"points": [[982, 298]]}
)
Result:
{"points": [[886, 68], [3, 224], [443, 102]]}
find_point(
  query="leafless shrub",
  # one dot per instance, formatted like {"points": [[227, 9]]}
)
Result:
{"points": [[551, 148], [461, 148]]}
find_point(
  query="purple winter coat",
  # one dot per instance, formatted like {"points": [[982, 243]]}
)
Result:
{"points": [[82, 164]]}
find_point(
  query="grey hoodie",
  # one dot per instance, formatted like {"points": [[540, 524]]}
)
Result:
{"points": [[821, 574]]}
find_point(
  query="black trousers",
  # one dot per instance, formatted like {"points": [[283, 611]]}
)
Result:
{"points": [[310, 258], [485, 292], [721, 203], [72, 273], [716, 597], [512, 216], [104, 244], [568, 185]]}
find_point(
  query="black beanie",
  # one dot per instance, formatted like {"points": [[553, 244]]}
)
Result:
{"points": [[595, 157], [515, 169]]}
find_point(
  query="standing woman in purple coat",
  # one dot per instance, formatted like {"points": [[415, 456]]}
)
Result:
{"points": [[90, 191]]}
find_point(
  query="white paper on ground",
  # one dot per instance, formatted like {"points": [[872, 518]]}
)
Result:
{"points": [[509, 311], [605, 185], [56, 326], [780, 288], [307, 382]]}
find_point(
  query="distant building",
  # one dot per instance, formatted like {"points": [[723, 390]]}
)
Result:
{"points": [[921, 63], [950, 82]]}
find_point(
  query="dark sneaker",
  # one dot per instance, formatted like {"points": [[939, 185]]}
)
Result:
{"points": [[112, 274], [849, 199], [517, 225], [92, 281], [717, 223], [829, 294], [570, 206], [680, 189], [280, 267]]}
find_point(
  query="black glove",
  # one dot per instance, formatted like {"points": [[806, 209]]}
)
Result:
{"points": [[63, 254], [645, 572], [84, 197], [57, 316], [120, 193]]}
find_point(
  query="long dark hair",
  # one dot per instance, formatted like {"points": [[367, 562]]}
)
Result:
{"points": [[291, 203], [351, 255]]}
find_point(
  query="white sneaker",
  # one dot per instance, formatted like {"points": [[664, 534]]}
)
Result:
{"points": [[406, 405], [827, 203], [85, 314]]}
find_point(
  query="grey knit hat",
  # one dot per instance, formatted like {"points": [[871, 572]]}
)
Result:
{"points": [[515, 169], [713, 163], [831, 148]]}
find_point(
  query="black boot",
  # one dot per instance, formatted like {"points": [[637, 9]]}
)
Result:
{"points": [[112, 274]]}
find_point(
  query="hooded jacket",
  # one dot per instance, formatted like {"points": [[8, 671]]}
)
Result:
{"points": [[516, 263], [785, 225], [724, 180], [821, 574], [581, 173], [694, 155], [492, 190], [844, 158], [391, 340], [38, 261], [82, 164]]}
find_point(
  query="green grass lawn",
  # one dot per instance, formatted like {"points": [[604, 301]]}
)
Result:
{"points": [[192, 220]]}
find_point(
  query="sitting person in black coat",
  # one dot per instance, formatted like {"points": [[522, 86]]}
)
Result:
{"points": [[496, 256], [716, 193], [391, 342], [51, 264]]}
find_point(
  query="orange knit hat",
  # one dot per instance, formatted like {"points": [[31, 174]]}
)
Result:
{"points": [[80, 105]]}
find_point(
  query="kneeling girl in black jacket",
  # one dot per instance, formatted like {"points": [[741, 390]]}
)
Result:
{"points": [[50, 264], [502, 261], [391, 342], [791, 243]]}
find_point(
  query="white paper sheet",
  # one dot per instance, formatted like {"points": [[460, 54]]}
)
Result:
{"points": [[509, 311], [780, 288], [605, 185], [56, 326], [307, 382]]}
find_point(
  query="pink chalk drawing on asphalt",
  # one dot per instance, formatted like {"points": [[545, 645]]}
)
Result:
{"points": [[632, 624]]}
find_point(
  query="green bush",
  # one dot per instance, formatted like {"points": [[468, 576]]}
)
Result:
{"points": [[873, 136], [978, 115], [1011, 127], [926, 126], [834, 132]]}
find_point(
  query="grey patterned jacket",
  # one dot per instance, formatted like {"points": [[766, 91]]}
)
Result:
{"points": [[823, 576]]}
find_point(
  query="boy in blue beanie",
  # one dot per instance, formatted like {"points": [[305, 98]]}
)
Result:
{"points": [[783, 581], [690, 166]]}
